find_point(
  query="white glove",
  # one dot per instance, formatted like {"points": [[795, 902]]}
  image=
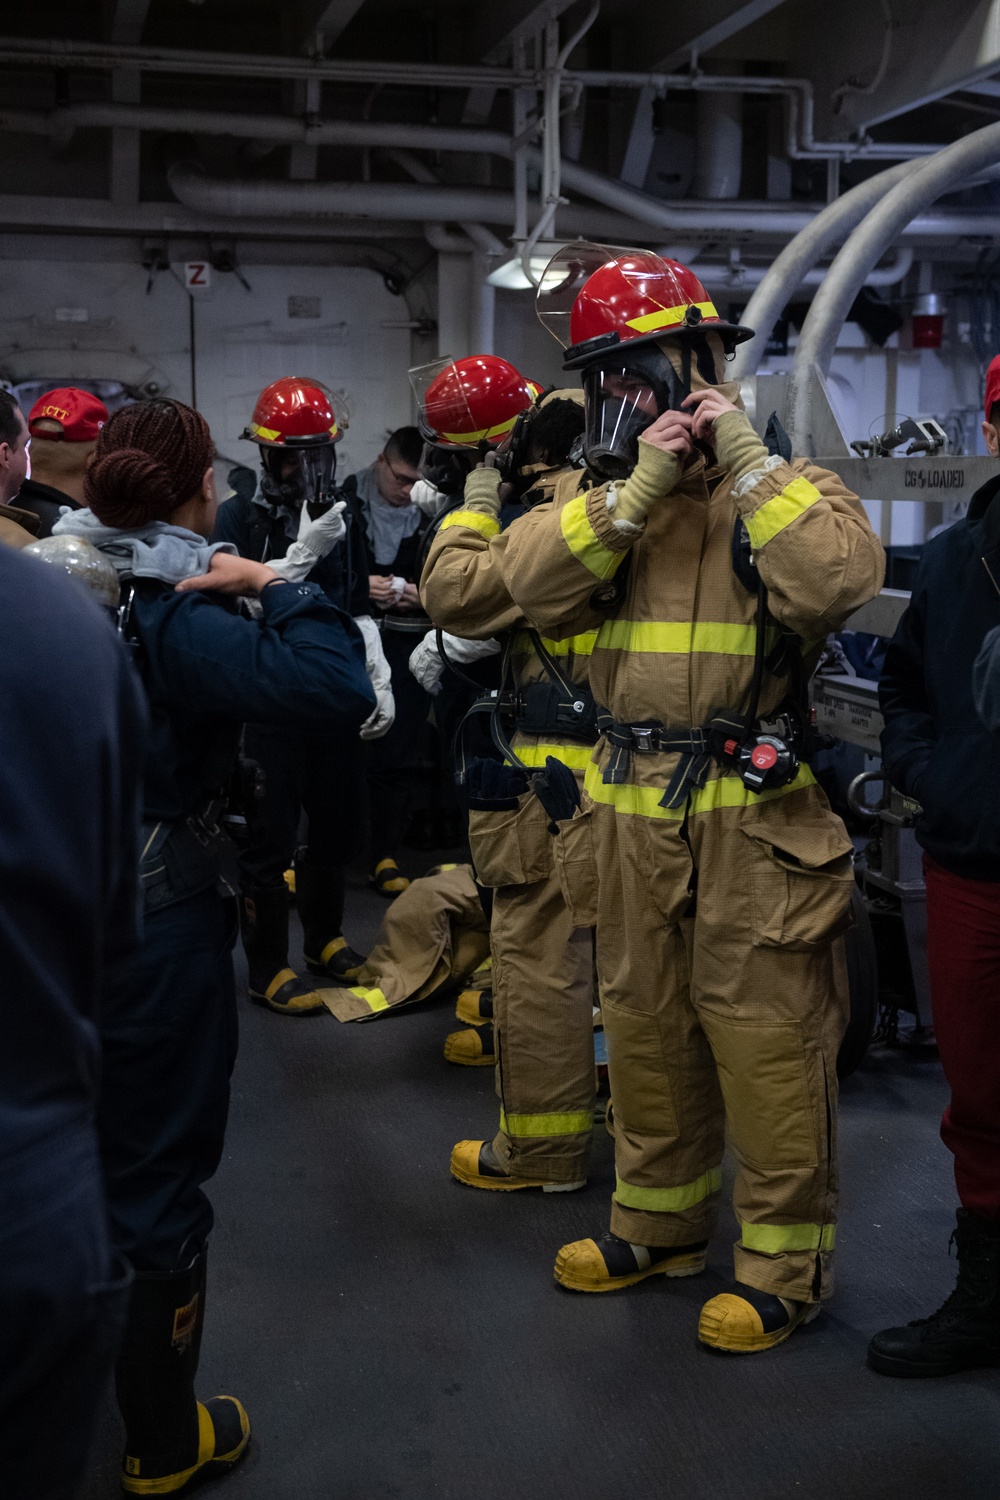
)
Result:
{"points": [[427, 498], [380, 674], [427, 666], [315, 540]]}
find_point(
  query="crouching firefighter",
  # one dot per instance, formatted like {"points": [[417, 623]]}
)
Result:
{"points": [[168, 1024], [712, 570], [293, 525], [544, 721]]}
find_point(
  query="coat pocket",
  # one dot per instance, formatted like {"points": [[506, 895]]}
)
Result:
{"points": [[576, 866], [800, 876], [511, 848]]}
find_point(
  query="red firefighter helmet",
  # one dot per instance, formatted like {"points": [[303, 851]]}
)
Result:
{"points": [[294, 412], [625, 297], [465, 402]]}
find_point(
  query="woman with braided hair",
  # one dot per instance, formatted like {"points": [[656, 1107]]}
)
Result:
{"points": [[169, 1026]]}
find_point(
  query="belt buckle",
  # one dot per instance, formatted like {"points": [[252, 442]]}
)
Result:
{"points": [[643, 738]]}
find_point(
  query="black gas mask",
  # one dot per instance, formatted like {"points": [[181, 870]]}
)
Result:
{"points": [[446, 469], [627, 390], [299, 475]]}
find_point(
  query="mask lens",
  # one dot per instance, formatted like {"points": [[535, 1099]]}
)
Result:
{"points": [[299, 475], [621, 403]]}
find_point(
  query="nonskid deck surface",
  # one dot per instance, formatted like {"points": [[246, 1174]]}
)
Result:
{"points": [[394, 1334]]}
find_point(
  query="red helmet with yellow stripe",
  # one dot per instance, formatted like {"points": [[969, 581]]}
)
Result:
{"points": [[292, 412], [296, 424], [640, 297], [466, 402]]}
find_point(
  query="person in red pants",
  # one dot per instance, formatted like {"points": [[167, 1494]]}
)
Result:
{"points": [[940, 695]]}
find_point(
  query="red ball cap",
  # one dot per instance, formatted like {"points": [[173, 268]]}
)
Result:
{"points": [[294, 411], [992, 385], [79, 414], [474, 400]]}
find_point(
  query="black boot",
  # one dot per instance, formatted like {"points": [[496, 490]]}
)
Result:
{"points": [[964, 1334], [172, 1441], [264, 923], [319, 890]]}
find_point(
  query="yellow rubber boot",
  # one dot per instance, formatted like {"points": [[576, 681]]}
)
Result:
{"points": [[223, 1439], [474, 1163], [474, 1048], [388, 879], [609, 1264], [474, 1007], [748, 1321]]}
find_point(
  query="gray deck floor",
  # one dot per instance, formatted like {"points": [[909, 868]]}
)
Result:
{"points": [[395, 1334]]}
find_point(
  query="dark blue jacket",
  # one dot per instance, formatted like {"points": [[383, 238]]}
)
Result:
{"points": [[935, 747], [72, 738], [208, 670], [261, 534]]}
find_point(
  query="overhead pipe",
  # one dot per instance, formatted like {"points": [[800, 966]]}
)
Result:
{"points": [[897, 209], [801, 143], [744, 277], [830, 227]]}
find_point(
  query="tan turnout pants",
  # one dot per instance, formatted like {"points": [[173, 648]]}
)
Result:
{"points": [[725, 999], [543, 999]]}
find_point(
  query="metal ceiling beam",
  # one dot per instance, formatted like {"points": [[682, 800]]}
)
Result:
{"points": [[528, 25], [324, 20], [127, 21], [718, 20]]}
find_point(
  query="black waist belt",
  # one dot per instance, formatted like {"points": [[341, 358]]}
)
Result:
{"points": [[717, 741]]}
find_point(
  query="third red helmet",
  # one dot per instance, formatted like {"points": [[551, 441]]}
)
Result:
{"points": [[293, 412], [465, 402]]}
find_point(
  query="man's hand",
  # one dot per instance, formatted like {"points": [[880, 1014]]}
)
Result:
{"points": [[380, 589], [706, 408], [410, 597], [671, 433], [229, 574]]}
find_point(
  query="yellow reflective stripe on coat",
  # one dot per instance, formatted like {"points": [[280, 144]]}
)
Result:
{"points": [[576, 757], [573, 645], [681, 637], [584, 543], [727, 791], [487, 526], [667, 317], [555, 1124], [669, 1200], [774, 515], [374, 999], [773, 1239]]}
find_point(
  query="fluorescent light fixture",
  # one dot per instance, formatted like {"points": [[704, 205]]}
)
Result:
{"points": [[510, 275]]}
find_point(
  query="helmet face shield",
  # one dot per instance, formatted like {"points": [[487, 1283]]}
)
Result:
{"points": [[622, 400], [299, 475]]}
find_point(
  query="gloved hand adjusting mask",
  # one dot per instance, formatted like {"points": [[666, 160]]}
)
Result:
{"points": [[298, 476]]}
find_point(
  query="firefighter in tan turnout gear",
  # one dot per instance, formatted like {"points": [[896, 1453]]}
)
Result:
{"points": [[712, 571], [543, 988]]}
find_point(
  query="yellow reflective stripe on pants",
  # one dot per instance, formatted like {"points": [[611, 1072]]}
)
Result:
{"points": [[772, 1239], [669, 1200], [556, 1124], [681, 637], [584, 543], [574, 645], [576, 757], [487, 526], [644, 801], [774, 515], [374, 999]]}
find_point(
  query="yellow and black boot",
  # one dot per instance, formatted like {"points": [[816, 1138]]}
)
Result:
{"points": [[319, 892], [388, 879], [610, 1263], [472, 1048], [173, 1442], [475, 1164], [745, 1320], [474, 1007], [264, 923]]}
